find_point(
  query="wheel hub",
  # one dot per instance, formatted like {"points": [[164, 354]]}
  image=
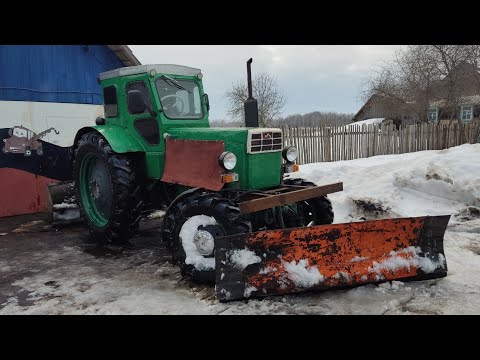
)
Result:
{"points": [[205, 242], [94, 189]]}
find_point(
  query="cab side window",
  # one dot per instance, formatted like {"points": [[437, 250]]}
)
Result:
{"points": [[111, 103]]}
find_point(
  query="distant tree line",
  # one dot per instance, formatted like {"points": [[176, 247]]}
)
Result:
{"points": [[314, 118]]}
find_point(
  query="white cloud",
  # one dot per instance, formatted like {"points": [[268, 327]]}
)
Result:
{"points": [[313, 77]]}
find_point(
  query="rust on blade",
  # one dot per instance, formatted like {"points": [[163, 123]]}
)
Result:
{"points": [[330, 256]]}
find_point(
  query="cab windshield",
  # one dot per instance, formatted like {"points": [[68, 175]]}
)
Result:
{"points": [[180, 98]]}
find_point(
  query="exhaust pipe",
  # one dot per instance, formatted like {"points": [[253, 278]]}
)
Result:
{"points": [[251, 105]]}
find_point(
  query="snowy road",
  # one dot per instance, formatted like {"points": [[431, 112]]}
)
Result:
{"points": [[44, 272]]}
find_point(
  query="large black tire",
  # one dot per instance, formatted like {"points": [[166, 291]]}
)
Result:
{"points": [[126, 200], [226, 214], [320, 207]]}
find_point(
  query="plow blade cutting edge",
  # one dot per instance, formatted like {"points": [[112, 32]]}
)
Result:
{"points": [[276, 262]]}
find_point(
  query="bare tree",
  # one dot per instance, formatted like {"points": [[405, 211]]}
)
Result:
{"points": [[267, 93]]}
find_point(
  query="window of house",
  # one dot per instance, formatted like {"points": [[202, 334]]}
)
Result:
{"points": [[139, 85], [110, 99], [466, 113], [433, 114]]}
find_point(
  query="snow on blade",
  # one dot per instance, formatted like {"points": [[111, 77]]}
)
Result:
{"points": [[187, 233], [267, 270], [396, 262], [359, 258], [303, 275], [242, 258]]}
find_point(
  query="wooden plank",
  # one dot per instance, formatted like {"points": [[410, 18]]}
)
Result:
{"points": [[288, 198]]}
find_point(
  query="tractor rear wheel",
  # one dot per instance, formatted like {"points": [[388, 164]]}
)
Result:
{"points": [[107, 189], [190, 227], [316, 211]]}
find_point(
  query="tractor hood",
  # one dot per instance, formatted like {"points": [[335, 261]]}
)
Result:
{"points": [[258, 152], [228, 135]]}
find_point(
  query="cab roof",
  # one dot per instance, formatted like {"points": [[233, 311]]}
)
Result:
{"points": [[143, 69]]}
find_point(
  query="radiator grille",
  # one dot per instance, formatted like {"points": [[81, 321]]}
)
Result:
{"points": [[264, 140]]}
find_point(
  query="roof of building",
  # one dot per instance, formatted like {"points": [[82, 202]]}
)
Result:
{"points": [[125, 55], [142, 69], [364, 107]]}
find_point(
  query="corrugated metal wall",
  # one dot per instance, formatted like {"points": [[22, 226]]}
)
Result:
{"points": [[54, 73]]}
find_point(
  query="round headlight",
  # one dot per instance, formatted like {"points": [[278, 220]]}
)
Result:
{"points": [[290, 153], [199, 76], [228, 160]]}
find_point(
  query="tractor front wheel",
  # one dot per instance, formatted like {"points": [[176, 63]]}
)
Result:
{"points": [[316, 211], [191, 226], [107, 187]]}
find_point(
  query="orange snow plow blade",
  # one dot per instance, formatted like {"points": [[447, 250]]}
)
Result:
{"points": [[276, 262]]}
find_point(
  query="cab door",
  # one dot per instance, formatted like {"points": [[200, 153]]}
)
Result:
{"points": [[143, 125]]}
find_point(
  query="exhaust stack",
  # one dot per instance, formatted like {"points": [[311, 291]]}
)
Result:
{"points": [[251, 105]]}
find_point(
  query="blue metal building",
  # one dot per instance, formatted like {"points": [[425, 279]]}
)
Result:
{"points": [[58, 73]]}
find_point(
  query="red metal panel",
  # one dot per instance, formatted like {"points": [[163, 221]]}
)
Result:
{"points": [[22, 192], [194, 163]]}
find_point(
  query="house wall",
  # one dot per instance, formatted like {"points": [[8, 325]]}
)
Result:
{"points": [[379, 107]]}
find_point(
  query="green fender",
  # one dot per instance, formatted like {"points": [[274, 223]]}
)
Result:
{"points": [[118, 137]]}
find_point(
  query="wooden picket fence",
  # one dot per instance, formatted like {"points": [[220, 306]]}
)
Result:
{"points": [[327, 143]]}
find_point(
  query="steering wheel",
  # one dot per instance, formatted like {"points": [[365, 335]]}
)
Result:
{"points": [[180, 110]]}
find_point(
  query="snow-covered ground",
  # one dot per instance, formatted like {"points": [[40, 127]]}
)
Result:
{"points": [[142, 282]]}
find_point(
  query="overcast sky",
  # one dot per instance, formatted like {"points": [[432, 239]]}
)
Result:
{"points": [[313, 77]]}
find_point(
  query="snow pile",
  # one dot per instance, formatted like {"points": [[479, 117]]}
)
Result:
{"points": [[412, 258], [187, 234], [66, 214], [302, 275], [242, 258], [435, 182]]}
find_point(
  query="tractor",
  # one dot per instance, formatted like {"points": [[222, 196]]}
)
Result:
{"points": [[233, 217], [24, 141]]}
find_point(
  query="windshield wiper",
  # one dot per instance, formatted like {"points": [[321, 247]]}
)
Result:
{"points": [[174, 82]]}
